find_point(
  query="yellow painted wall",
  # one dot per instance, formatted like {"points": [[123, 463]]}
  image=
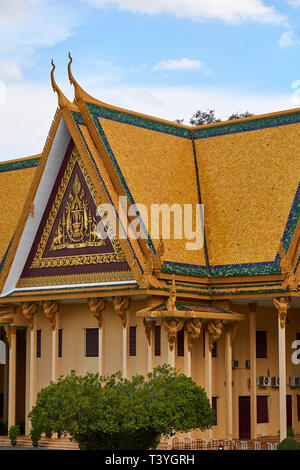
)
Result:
{"points": [[75, 317]]}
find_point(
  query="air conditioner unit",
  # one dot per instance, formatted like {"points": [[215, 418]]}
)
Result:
{"points": [[264, 381], [294, 381], [247, 363], [275, 381], [235, 364]]}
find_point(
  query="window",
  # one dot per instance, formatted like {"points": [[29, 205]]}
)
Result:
{"points": [[298, 407], [91, 342], [157, 340], [261, 344], [214, 406], [132, 341], [60, 342], [180, 342], [38, 343], [262, 409]]}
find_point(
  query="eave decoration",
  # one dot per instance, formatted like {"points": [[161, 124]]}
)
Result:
{"points": [[288, 266]]}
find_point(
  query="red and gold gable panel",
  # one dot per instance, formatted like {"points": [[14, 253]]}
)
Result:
{"points": [[72, 245]]}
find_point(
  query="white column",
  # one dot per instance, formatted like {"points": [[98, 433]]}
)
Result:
{"points": [[32, 365], [187, 355], [208, 368], [6, 385], [12, 377], [171, 356], [208, 373], [282, 380], [253, 405], [228, 368], [282, 305], [150, 352], [54, 350], [125, 355]]}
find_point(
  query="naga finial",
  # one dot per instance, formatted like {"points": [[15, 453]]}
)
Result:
{"points": [[80, 94], [63, 102], [71, 78]]}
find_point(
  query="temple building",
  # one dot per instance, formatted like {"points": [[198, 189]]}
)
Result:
{"points": [[75, 294]]}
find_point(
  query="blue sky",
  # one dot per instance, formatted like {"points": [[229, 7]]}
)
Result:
{"points": [[166, 58]]}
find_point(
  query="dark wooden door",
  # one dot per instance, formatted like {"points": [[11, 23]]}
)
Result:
{"points": [[289, 412], [244, 418]]}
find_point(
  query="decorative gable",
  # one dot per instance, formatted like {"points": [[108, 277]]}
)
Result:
{"points": [[73, 245]]}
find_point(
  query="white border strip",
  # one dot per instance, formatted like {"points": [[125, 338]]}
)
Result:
{"points": [[68, 286]]}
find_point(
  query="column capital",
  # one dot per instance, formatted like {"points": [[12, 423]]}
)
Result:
{"points": [[29, 309], [149, 325], [51, 308], [10, 330], [282, 305], [172, 326], [214, 329], [121, 305], [193, 327], [252, 307], [97, 305]]}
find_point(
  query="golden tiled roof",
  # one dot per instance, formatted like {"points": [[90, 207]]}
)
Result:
{"points": [[158, 168], [248, 183], [15, 179]]}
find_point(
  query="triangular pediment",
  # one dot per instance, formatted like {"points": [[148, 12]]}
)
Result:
{"points": [[73, 244]]}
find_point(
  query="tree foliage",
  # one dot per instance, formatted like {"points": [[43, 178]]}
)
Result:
{"points": [[240, 115], [200, 118], [111, 412]]}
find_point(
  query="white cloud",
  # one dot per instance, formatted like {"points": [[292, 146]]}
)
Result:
{"points": [[227, 10], [15, 9], [9, 70], [39, 23], [287, 40], [26, 117], [26, 25], [180, 64], [294, 3]]}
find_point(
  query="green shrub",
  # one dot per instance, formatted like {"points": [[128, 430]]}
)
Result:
{"points": [[289, 443], [290, 432], [13, 433], [35, 436], [113, 413]]}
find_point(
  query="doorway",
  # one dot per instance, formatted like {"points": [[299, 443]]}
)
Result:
{"points": [[244, 418], [289, 411]]}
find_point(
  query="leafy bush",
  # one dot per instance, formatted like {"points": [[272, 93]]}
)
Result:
{"points": [[111, 412], [289, 443], [290, 432], [35, 435], [13, 432]]}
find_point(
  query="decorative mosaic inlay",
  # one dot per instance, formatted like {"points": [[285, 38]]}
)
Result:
{"points": [[247, 126], [20, 165], [126, 118]]}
